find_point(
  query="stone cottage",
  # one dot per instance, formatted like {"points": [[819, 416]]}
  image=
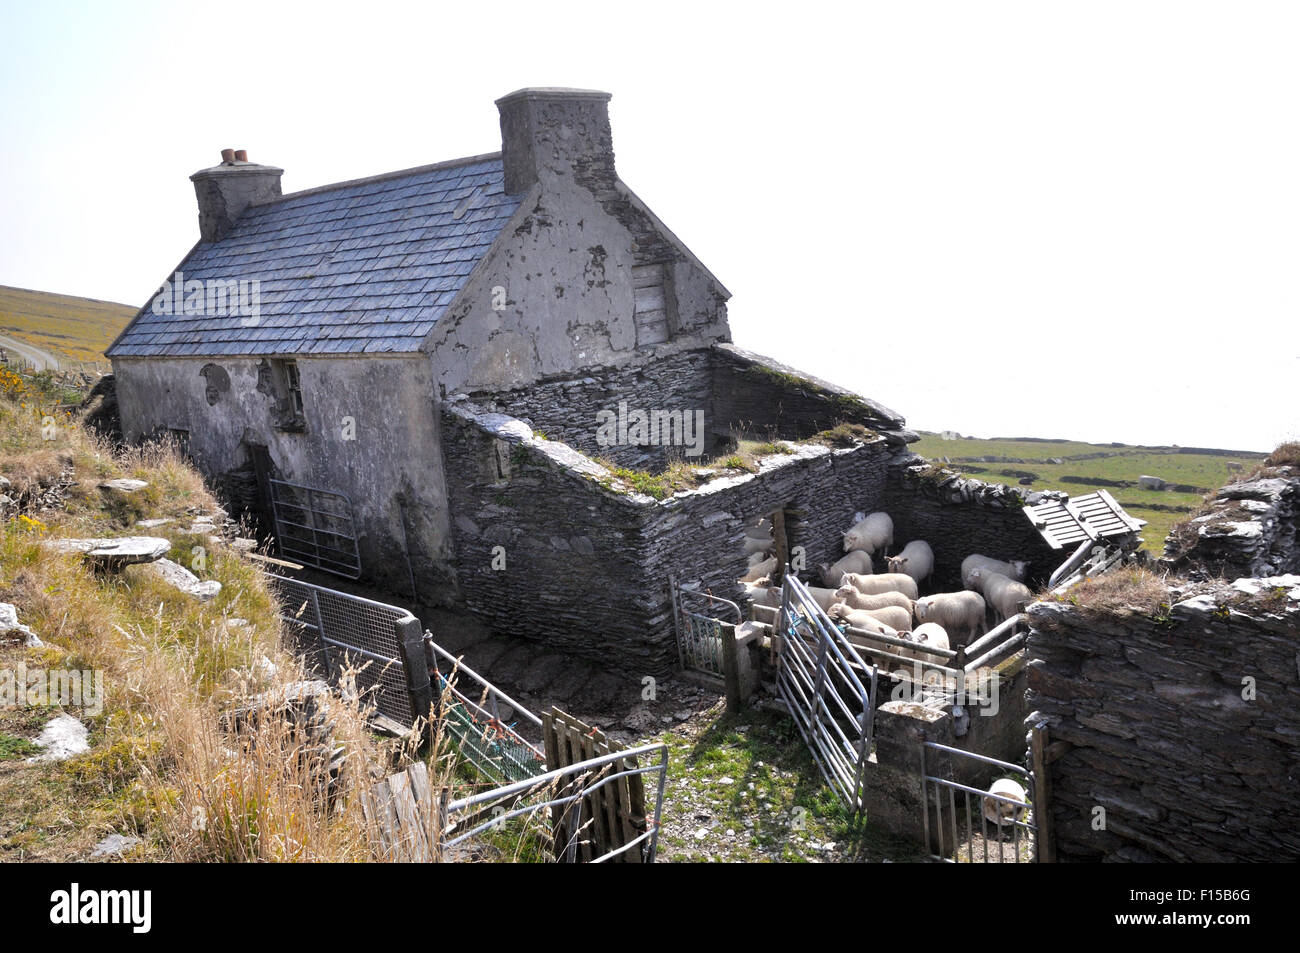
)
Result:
{"points": [[464, 375]]}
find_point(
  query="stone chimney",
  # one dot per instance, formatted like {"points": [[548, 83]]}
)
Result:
{"points": [[554, 136], [225, 190]]}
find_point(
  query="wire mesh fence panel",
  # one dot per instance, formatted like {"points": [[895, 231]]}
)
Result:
{"points": [[315, 527], [353, 637]]}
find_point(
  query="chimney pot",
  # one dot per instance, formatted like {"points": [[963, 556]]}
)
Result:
{"points": [[227, 155], [241, 155]]}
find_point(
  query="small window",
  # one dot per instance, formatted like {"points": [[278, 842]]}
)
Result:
{"points": [[653, 303], [288, 388]]}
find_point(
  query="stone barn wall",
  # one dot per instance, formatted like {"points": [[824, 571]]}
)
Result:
{"points": [[571, 547], [1160, 734], [769, 400], [568, 409], [698, 536], [587, 564], [735, 390], [958, 517]]}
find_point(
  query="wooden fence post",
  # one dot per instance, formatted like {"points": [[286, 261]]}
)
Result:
{"points": [[1042, 793]]}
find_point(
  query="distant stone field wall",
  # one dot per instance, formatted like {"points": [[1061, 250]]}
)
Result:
{"points": [[1160, 736], [958, 517], [587, 563], [1249, 529]]}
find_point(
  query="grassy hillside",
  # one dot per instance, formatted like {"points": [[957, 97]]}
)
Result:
{"points": [[72, 329], [166, 764], [1050, 465]]}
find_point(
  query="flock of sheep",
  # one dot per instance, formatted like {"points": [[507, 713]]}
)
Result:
{"points": [[890, 602]]}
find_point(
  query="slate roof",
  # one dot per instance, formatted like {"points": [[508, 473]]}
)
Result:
{"points": [[359, 267]]}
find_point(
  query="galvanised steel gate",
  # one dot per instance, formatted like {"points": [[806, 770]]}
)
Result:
{"points": [[993, 828], [314, 527], [699, 630], [829, 690]]}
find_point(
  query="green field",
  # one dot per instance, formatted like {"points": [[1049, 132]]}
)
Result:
{"points": [[1160, 508], [71, 329]]}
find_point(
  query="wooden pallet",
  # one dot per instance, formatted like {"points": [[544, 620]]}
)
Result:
{"points": [[613, 815]]}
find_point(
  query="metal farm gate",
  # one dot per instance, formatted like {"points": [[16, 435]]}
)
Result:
{"points": [[829, 690], [341, 633], [314, 527], [964, 823], [699, 630]]}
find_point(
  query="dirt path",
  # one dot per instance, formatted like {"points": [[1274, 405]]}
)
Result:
{"points": [[41, 360]]}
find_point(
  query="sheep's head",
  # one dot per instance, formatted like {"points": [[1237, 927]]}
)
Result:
{"points": [[838, 610], [1021, 567], [843, 592], [921, 609], [975, 576], [851, 542], [896, 563]]}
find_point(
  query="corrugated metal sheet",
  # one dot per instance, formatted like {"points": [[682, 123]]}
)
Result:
{"points": [[1091, 516], [357, 268]]}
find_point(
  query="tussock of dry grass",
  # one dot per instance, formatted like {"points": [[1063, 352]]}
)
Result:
{"points": [[1286, 455], [1124, 589]]}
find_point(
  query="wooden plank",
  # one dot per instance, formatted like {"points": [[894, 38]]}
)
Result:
{"points": [[646, 275], [649, 299]]}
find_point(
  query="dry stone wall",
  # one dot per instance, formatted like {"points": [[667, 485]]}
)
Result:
{"points": [[958, 517], [1184, 728], [1249, 529], [569, 410], [586, 566]]}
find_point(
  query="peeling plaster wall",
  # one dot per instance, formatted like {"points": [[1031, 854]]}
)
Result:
{"points": [[394, 458], [565, 265]]}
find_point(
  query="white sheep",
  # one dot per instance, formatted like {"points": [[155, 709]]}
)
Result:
{"points": [[1001, 811], [927, 635], [953, 611], [893, 618], [1015, 570], [761, 592], [870, 533], [857, 561], [757, 570], [861, 600], [1005, 596], [916, 559], [882, 582]]}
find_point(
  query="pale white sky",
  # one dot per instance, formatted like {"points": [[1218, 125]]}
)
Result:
{"points": [[1007, 219]]}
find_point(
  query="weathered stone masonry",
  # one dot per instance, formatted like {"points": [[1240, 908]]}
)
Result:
{"points": [[1185, 768]]}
